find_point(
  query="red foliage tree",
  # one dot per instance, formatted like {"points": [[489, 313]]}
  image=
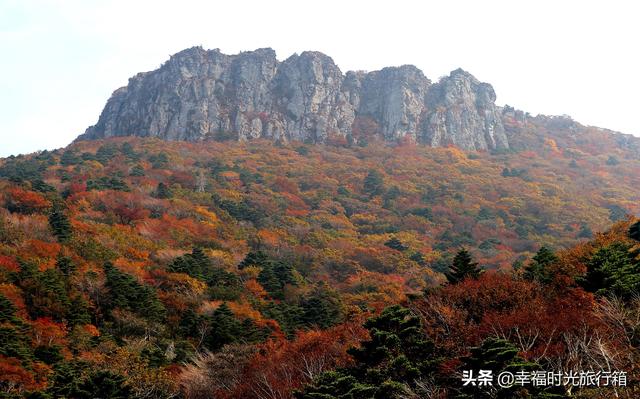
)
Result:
{"points": [[13, 377], [26, 202], [9, 263], [45, 331], [280, 365]]}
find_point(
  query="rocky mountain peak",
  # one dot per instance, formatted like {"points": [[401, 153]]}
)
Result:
{"points": [[462, 112], [201, 94]]}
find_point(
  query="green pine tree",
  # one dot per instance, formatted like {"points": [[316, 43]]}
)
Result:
{"points": [[418, 257], [274, 276], [395, 243], [45, 293], [200, 259], [322, 308], [585, 232], [125, 292], [397, 355], [389, 196], [15, 342], [613, 270], [66, 380], [137, 171], [48, 354], [70, 157], [162, 191], [463, 267], [252, 333], [159, 161], [254, 258], [59, 223], [7, 310], [65, 265], [500, 355], [127, 150], [539, 268], [269, 280], [106, 153], [613, 160], [634, 231], [373, 183], [290, 317], [225, 328], [78, 311], [104, 384], [196, 264]]}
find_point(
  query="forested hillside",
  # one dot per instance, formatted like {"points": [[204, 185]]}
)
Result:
{"points": [[141, 268]]}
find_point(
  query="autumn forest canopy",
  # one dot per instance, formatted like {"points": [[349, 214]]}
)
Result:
{"points": [[138, 268]]}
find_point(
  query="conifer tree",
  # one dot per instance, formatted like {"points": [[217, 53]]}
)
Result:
{"points": [[397, 355], [106, 153], [252, 333], [395, 243], [373, 183], [7, 310], [66, 380], [59, 223], [225, 328], [48, 354], [585, 232], [322, 308], [162, 191], [78, 311], [274, 276], [127, 150], [200, 259], [463, 267], [69, 157], [418, 257], [104, 384], [126, 293], [137, 171], [538, 269], [499, 355], [65, 265], [613, 270], [14, 342], [290, 317], [45, 292], [196, 264], [253, 258], [634, 231]]}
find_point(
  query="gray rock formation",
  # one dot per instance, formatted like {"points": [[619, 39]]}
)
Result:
{"points": [[395, 98], [203, 94], [461, 111]]}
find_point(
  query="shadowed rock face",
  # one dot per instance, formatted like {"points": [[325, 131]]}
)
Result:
{"points": [[202, 94]]}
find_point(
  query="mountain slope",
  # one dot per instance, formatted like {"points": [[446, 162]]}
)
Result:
{"points": [[219, 269], [438, 199]]}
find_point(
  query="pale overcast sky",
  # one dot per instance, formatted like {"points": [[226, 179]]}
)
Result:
{"points": [[62, 59]]}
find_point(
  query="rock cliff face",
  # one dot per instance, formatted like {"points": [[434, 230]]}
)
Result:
{"points": [[461, 111], [203, 94]]}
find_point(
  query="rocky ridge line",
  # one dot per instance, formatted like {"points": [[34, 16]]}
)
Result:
{"points": [[204, 94]]}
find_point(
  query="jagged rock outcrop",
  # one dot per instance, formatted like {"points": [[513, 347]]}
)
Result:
{"points": [[461, 111], [395, 98], [203, 94], [308, 100]]}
